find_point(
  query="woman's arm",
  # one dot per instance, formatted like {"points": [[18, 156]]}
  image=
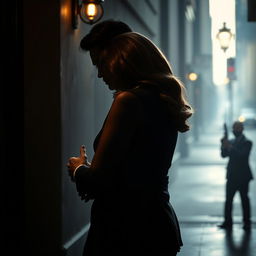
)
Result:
{"points": [[113, 146], [119, 128]]}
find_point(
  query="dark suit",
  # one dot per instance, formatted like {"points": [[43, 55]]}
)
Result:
{"points": [[238, 176]]}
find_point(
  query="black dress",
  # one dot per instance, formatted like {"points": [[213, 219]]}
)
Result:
{"points": [[131, 213]]}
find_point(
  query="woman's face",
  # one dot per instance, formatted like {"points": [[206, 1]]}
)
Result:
{"points": [[103, 73]]}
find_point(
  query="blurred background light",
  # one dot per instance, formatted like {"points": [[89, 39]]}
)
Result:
{"points": [[192, 76]]}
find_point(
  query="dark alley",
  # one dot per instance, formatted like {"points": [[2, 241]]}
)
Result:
{"points": [[129, 127], [198, 195]]}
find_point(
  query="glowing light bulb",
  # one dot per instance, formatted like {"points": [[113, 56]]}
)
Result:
{"points": [[192, 76], [91, 11]]}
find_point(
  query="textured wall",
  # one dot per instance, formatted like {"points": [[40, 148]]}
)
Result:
{"points": [[42, 125], [245, 86]]}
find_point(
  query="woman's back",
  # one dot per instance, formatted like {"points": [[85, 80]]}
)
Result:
{"points": [[153, 143], [136, 211]]}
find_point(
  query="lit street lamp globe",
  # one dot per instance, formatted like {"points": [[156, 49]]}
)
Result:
{"points": [[224, 36]]}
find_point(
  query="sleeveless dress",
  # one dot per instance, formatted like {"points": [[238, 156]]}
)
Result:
{"points": [[133, 215]]}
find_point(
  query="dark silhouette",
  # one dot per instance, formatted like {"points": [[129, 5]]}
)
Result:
{"points": [[100, 35], [103, 32], [128, 176], [238, 174]]}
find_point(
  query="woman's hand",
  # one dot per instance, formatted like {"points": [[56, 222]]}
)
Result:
{"points": [[74, 162]]}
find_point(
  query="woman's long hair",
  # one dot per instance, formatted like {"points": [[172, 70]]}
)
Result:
{"points": [[135, 60]]}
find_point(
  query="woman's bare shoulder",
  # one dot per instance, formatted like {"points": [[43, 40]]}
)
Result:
{"points": [[126, 97], [127, 104]]}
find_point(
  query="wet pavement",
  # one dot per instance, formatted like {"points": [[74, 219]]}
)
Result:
{"points": [[197, 191], [208, 240]]}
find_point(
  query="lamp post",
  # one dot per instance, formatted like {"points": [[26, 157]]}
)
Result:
{"points": [[225, 36]]}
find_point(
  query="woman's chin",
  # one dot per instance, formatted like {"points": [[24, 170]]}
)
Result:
{"points": [[110, 87]]}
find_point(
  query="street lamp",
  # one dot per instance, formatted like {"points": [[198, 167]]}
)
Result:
{"points": [[224, 36]]}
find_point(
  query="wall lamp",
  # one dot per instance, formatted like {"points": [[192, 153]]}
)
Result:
{"points": [[89, 11]]}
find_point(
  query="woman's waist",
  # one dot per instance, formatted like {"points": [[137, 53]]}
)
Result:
{"points": [[135, 194]]}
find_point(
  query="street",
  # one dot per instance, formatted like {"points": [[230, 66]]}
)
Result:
{"points": [[198, 194]]}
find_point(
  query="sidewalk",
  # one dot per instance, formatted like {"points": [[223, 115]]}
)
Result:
{"points": [[207, 240], [197, 194]]}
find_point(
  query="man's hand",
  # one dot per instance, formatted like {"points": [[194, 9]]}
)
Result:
{"points": [[74, 162], [225, 143]]}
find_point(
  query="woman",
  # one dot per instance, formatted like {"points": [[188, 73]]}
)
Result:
{"points": [[128, 176]]}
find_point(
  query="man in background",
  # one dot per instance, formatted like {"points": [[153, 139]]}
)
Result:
{"points": [[238, 174]]}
